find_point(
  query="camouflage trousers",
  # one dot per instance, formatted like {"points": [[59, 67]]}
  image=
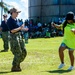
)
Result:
{"points": [[5, 40], [17, 48]]}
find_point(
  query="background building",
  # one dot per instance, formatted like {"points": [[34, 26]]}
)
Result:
{"points": [[50, 10]]}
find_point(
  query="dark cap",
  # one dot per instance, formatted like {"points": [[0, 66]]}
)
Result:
{"points": [[5, 15], [14, 10], [70, 16]]}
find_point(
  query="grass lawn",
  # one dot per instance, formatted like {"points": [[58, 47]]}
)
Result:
{"points": [[42, 59]]}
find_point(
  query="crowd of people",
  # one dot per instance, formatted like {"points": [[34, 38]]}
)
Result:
{"points": [[41, 30]]}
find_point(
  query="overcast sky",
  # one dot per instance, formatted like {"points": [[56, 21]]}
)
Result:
{"points": [[20, 5]]}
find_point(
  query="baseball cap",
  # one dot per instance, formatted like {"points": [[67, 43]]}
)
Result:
{"points": [[14, 10], [5, 15], [70, 16]]}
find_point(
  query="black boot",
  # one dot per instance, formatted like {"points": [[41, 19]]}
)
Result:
{"points": [[16, 68]]}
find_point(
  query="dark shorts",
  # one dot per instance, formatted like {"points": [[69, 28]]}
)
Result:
{"points": [[64, 45]]}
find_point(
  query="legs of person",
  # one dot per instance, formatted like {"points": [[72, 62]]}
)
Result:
{"points": [[61, 54], [6, 45], [17, 52], [5, 41], [23, 49], [71, 57], [26, 37]]}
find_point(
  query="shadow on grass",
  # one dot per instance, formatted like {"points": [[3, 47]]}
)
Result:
{"points": [[5, 72], [59, 71]]}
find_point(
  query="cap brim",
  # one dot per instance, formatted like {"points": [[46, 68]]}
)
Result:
{"points": [[18, 11]]}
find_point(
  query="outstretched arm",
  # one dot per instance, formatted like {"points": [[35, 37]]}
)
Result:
{"points": [[56, 26]]}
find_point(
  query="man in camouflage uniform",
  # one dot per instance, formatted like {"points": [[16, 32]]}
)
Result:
{"points": [[16, 42], [5, 34]]}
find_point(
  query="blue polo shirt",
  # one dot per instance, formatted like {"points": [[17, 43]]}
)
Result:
{"points": [[4, 26], [12, 24]]}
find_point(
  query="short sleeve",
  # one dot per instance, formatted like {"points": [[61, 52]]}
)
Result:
{"points": [[61, 25]]}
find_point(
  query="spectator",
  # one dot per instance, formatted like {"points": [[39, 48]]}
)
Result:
{"points": [[5, 34]]}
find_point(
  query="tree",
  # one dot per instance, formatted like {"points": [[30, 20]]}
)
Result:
{"points": [[4, 6]]}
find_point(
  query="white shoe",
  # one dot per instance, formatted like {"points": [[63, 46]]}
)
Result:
{"points": [[71, 68], [61, 66]]}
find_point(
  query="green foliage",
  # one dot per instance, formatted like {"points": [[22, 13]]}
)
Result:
{"points": [[5, 6], [42, 58], [1, 4]]}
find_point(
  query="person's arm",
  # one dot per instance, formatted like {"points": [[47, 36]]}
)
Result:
{"points": [[56, 26], [16, 30], [23, 28]]}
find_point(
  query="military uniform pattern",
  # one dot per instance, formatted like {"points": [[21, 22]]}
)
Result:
{"points": [[17, 48], [5, 40]]}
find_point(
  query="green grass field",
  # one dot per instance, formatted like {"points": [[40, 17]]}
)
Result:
{"points": [[42, 59]]}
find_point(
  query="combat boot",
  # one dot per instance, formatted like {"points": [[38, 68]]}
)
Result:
{"points": [[15, 69]]}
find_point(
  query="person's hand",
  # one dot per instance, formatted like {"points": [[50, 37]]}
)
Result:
{"points": [[21, 27], [52, 24], [25, 29], [73, 30]]}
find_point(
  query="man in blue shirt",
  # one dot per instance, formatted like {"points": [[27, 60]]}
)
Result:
{"points": [[16, 42]]}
